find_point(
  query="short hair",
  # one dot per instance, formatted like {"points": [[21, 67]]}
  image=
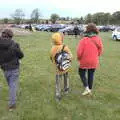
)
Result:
{"points": [[91, 27], [7, 33]]}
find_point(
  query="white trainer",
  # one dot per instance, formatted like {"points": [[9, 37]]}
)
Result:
{"points": [[86, 92]]}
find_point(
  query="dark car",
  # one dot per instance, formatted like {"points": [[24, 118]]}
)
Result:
{"points": [[106, 28], [55, 28], [70, 30]]}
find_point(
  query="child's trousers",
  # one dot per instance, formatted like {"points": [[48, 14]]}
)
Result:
{"points": [[58, 83], [12, 80]]}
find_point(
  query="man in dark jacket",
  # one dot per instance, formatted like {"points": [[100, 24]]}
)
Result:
{"points": [[10, 53], [76, 31]]}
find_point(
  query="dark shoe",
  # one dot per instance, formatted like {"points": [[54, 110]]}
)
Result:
{"points": [[66, 91], [58, 98], [12, 107]]}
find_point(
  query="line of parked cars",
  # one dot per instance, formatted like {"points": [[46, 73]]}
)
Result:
{"points": [[70, 29], [106, 28], [50, 27], [65, 29]]}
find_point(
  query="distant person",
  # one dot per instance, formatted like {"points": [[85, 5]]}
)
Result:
{"points": [[10, 53], [89, 49], [76, 31], [30, 27], [58, 46]]}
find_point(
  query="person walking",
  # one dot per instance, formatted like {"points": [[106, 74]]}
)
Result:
{"points": [[89, 49], [10, 53], [58, 46], [76, 31]]}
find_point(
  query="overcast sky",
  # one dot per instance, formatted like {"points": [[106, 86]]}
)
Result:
{"points": [[64, 8]]}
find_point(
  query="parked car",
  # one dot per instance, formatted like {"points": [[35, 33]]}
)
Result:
{"points": [[104, 29], [116, 34], [66, 29], [23, 26], [70, 30], [55, 28], [39, 27]]}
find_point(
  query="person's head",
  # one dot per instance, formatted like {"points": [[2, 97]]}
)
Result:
{"points": [[91, 27], [7, 33], [57, 38]]}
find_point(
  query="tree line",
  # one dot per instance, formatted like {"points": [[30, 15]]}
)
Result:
{"points": [[99, 18]]}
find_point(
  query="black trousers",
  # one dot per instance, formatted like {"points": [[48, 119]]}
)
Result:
{"points": [[87, 76]]}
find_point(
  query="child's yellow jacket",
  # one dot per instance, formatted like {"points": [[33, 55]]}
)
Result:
{"points": [[57, 47]]}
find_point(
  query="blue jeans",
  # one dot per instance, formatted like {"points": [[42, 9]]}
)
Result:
{"points": [[87, 80], [12, 80]]}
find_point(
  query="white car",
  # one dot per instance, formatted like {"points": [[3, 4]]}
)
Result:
{"points": [[116, 34]]}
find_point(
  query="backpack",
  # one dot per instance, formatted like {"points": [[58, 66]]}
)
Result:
{"points": [[62, 60]]}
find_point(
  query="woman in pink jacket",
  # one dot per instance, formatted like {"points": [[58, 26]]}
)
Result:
{"points": [[88, 51]]}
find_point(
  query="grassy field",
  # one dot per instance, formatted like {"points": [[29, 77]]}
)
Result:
{"points": [[37, 84]]}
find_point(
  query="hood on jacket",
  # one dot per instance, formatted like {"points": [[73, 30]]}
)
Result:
{"points": [[5, 42], [57, 38]]}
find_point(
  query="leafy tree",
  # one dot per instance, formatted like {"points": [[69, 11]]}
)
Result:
{"points": [[100, 18], [107, 18], [35, 15], [18, 16], [116, 17], [54, 17], [88, 18]]}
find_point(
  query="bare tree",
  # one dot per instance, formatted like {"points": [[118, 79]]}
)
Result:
{"points": [[35, 15], [18, 16]]}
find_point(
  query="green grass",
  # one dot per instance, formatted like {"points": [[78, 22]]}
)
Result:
{"points": [[37, 84]]}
